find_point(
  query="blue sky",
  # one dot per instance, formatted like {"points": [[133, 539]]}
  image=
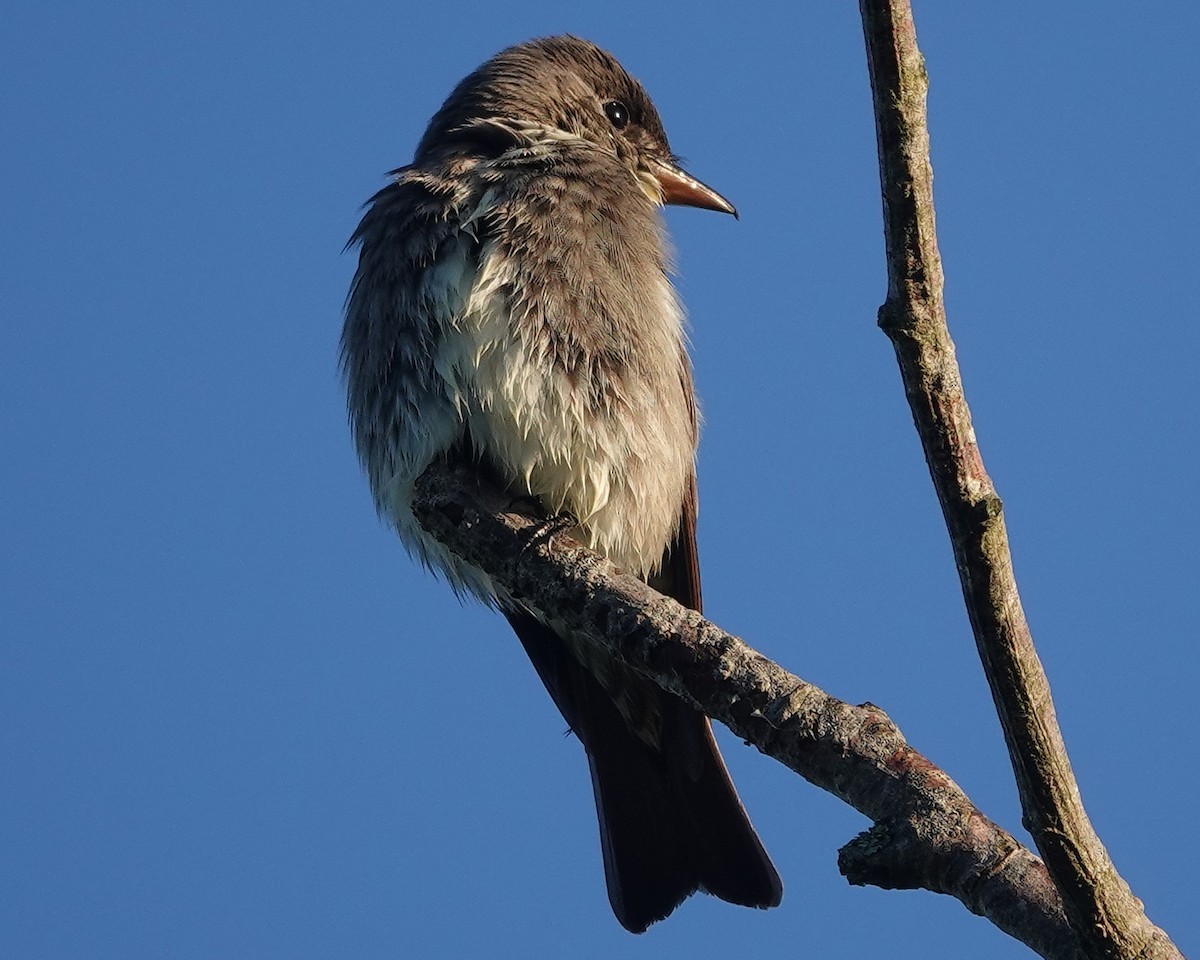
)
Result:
{"points": [[237, 721]]}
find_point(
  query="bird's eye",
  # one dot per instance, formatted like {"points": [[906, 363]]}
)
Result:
{"points": [[617, 113]]}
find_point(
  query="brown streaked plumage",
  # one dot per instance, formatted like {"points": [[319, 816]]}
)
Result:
{"points": [[512, 306]]}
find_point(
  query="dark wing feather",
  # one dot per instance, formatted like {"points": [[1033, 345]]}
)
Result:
{"points": [[670, 818]]}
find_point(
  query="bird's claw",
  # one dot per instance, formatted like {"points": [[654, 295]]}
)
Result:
{"points": [[546, 530]]}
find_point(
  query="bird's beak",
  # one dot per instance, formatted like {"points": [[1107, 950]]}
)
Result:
{"points": [[685, 190]]}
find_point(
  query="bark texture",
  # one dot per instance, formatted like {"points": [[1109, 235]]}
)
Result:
{"points": [[926, 833]]}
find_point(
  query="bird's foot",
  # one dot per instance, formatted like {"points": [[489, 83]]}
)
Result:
{"points": [[548, 529]]}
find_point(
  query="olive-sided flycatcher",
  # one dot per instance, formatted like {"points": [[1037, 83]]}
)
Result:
{"points": [[512, 309]]}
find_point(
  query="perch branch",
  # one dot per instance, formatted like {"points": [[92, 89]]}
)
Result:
{"points": [[926, 832]]}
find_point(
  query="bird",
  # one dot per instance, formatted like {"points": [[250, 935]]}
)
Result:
{"points": [[512, 309]]}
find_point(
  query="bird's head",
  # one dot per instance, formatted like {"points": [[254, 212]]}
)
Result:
{"points": [[570, 87]]}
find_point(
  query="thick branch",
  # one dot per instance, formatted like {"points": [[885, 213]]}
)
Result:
{"points": [[1108, 917], [926, 833]]}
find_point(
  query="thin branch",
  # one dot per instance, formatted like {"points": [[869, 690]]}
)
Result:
{"points": [[926, 833], [1099, 904]]}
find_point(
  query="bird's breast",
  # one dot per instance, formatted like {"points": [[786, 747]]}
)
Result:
{"points": [[576, 401]]}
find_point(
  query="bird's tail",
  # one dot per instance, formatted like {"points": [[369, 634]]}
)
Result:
{"points": [[671, 822]]}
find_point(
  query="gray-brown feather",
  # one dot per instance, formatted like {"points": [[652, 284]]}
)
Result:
{"points": [[512, 303]]}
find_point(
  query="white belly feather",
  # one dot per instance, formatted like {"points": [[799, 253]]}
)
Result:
{"points": [[622, 469]]}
